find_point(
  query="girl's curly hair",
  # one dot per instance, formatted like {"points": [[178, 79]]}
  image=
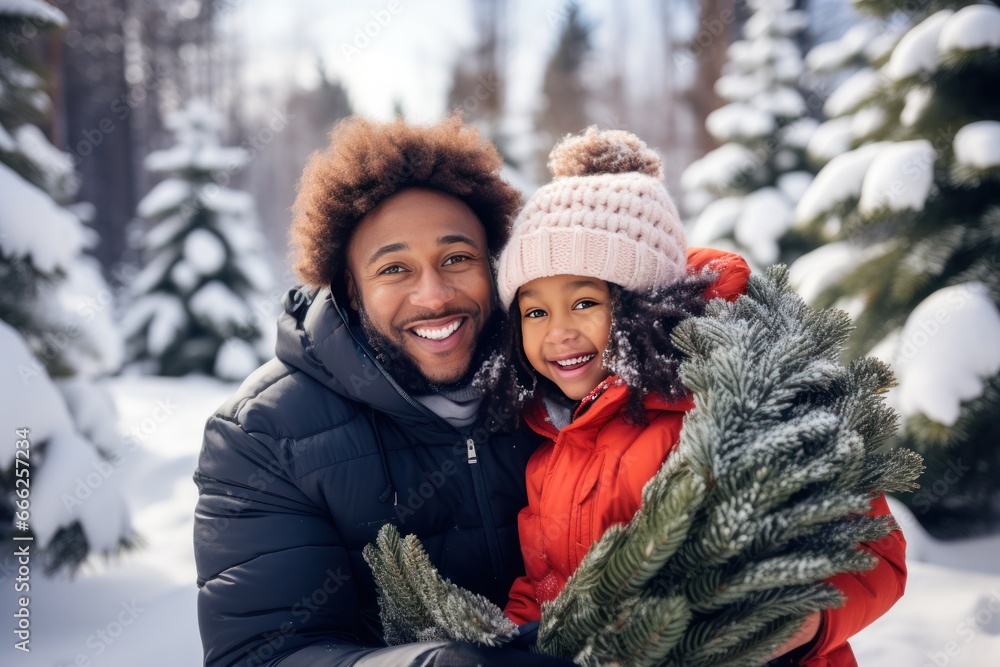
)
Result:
{"points": [[639, 349]]}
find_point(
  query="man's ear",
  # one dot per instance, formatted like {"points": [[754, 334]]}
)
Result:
{"points": [[352, 289]]}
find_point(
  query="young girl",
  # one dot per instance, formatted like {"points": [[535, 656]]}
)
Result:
{"points": [[595, 276]]}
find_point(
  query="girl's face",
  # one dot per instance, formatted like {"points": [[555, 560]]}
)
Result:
{"points": [[565, 323]]}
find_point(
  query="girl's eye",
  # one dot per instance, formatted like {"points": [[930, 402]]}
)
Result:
{"points": [[586, 303], [456, 259], [535, 313], [390, 270]]}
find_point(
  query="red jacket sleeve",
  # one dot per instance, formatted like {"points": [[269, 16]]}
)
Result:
{"points": [[869, 595], [733, 271], [521, 604]]}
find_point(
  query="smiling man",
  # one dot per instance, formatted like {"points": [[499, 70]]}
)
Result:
{"points": [[367, 414], [418, 272]]}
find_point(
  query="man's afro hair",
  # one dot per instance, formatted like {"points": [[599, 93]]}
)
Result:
{"points": [[367, 162]]}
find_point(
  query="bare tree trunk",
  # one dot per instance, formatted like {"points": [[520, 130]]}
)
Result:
{"points": [[673, 103], [55, 56], [616, 91], [715, 29], [478, 77], [98, 124]]}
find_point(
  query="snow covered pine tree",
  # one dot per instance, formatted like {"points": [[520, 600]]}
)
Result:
{"points": [[56, 332], [912, 214], [755, 178], [192, 310], [764, 499]]}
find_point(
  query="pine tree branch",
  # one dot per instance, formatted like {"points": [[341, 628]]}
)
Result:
{"points": [[417, 604], [783, 436]]}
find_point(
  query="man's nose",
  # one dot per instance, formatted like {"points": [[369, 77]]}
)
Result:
{"points": [[432, 292]]}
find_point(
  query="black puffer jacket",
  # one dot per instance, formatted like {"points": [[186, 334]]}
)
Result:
{"points": [[316, 450]]}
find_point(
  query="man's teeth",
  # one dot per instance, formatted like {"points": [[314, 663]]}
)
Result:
{"points": [[439, 334], [575, 360]]}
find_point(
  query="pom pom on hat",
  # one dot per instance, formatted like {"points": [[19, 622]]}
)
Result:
{"points": [[605, 215], [607, 152]]}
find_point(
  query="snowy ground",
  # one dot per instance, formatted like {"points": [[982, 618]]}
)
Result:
{"points": [[141, 611]]}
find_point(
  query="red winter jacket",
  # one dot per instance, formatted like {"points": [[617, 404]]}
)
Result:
{"points": [[590, 475]]}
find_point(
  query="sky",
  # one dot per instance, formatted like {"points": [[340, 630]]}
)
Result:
{"points": [[388, 50], [385, 51]]}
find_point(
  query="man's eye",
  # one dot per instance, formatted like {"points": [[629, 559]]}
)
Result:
{"points": [[586, 303], [535, 313], [390, 270]]}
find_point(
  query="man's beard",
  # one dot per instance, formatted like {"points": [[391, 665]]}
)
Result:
{"points": [[405, 371]]}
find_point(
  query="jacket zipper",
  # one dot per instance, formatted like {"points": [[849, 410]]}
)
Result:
{"points": [[484, 507], [478, 481]]}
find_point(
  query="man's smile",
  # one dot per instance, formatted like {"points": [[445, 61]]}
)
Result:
{"points": [[438, 329]]}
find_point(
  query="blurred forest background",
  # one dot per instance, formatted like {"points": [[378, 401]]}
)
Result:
{"points": [[526, 72], [149, 153]]}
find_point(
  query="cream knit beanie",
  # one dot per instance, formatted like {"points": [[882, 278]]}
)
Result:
{"points": [[606, 214]]}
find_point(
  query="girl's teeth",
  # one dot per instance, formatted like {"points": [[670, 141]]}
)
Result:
{"points": [[438, 334], [576, 360]]}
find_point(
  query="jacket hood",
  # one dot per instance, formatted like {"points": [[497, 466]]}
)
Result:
{"points": [[316, 336]]}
